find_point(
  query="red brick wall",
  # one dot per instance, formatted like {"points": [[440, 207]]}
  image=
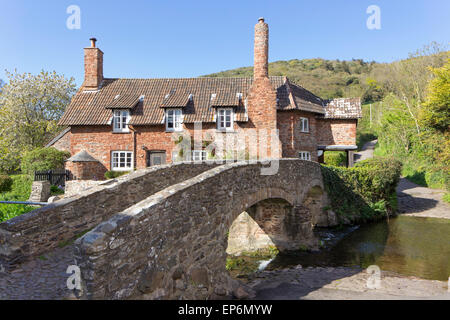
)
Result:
{"points": [[93, 68], [86, 170], [336, 132], [292, 139]]}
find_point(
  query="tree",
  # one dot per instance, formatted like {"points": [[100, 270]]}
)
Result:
{"points": [[435, 112], [43, 159], [408, 79], [30, 106]]}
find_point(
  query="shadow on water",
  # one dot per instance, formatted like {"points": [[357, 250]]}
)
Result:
{"points": [[405, 245]]}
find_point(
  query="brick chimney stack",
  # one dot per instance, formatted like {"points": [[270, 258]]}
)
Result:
{"points": [[93, 66], [261, 50]]}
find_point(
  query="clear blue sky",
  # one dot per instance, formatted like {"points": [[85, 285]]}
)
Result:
{"points": [[143, 39]]}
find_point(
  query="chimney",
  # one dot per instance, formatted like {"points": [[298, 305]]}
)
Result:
{"points": [[261, 51], [93, 66]]}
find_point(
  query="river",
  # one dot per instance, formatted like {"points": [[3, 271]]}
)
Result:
{"points": [[405, 245]]}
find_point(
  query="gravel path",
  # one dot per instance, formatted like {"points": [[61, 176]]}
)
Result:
{"points": [[366, 151], [414, 200]]}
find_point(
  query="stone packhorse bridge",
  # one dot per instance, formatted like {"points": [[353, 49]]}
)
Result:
{"points": [[173, 244], [162, 233]]}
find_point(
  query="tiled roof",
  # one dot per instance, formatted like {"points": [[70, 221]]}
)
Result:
{"points": [[226, 98], [343, 108], [82, 156], [124, 101], [93, 107], [175, 98]]}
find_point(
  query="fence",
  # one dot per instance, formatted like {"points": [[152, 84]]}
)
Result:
{"points": [[57, 177]]}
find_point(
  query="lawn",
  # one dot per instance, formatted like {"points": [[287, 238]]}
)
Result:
{"points": [[20, 191]]}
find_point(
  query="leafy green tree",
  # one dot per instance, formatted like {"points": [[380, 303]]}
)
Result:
{"points": [[435, 112], [42, 159], [30, 106], [408, 79]]}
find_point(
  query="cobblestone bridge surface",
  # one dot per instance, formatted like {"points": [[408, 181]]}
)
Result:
{"points": [[43, 278]]}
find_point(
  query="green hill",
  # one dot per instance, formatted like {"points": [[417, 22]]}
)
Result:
{"points": [[325, 78]]}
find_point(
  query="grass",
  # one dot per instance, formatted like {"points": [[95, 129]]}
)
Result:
{"points": [[20, 191], [446, 197]]}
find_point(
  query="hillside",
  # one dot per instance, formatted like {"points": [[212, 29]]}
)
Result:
{"points": [[325, 78]]}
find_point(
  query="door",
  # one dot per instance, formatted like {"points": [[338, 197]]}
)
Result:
{"points": [[156, 158]]}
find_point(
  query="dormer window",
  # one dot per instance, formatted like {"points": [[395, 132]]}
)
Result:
{"points": [[304, 125], [120, 120], [174, 120], [225, 119]]}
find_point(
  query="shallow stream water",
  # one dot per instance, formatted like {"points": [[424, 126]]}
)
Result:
{"points": [[406, 245]]}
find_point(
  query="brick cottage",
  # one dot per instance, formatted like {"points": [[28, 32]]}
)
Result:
{"points": [[123, 124]]}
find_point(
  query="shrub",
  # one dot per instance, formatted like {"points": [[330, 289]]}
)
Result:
{"points": [[56, 190], [5, 183], [115, 174], [364, 192], [335, 158], [42, 159]]}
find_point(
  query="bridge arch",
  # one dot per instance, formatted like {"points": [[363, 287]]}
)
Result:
{"points": [[173, 244]]}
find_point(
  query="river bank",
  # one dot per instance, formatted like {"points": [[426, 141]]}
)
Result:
{"points": [[343, 283]]}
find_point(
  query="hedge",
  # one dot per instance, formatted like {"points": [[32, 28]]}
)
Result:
{"points": [[43, 159], [335, 158], [364, 192]]}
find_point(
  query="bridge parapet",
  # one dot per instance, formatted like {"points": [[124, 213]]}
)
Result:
{"points": [[41, 230], [173, 244]]}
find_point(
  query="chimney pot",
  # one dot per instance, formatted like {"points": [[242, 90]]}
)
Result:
{"points": [[93, 41]]}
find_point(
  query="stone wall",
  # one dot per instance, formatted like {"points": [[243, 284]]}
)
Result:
{"points": [[40, 230], [63, 143], [74, 187], [40, 191], [172, 245]]}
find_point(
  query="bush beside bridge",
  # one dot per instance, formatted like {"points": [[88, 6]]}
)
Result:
{"points": [[365, 192]]}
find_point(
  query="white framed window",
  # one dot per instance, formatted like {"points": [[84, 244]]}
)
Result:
{"points": [[225, 119], [304, 125], [120, 120], [174, 120], [304, 155], [199, 155], [121, 160]]}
